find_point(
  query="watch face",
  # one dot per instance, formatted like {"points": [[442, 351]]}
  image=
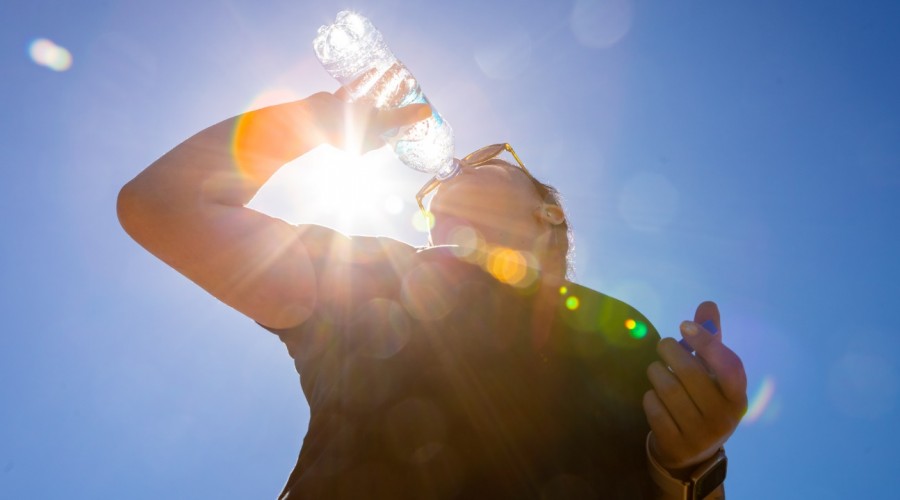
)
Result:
{"points": [[711, 479]]}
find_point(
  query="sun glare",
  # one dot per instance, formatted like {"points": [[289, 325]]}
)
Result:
{"points": [[348, 188], [759, 403], [352, 194], [46, 53]]}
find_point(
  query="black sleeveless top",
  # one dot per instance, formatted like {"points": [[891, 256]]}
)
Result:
{"points": [[427, 378]]}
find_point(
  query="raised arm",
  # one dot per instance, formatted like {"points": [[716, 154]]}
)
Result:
{"points": [[188, 207]]}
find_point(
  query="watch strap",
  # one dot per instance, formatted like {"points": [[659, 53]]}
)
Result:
{"points": [[705, 478]]}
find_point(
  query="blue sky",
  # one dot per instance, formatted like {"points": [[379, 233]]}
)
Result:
{"points": [[746, 152]]}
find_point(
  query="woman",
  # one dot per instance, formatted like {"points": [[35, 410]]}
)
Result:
{"points": [[468, 369]]}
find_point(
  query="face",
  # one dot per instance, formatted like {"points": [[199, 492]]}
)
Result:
{"points": [[499, 202]]}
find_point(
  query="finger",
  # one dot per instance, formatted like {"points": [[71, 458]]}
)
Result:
{"points": [[729, 369], [708, 312], [355, 128], [695, 336], [706, 315], [371, 142], [399, 117], [342, 94], [666, 437], [674, 396], [719, 360], [658, 417], [693, 375]]}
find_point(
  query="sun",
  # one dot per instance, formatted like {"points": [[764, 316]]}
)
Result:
{"points": [[371, 194]]}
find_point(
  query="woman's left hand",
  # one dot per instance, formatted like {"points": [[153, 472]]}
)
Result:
{"points": [[697, 400]]}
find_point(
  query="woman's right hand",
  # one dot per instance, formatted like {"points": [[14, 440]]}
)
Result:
{"points": [[358, 127]]}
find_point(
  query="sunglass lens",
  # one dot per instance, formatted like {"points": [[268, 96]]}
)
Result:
{"points": [[484, 154]]}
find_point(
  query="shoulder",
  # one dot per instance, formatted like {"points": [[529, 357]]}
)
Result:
{"points": [[590, 305], [341, 269], [328, 247], [607, 321]]}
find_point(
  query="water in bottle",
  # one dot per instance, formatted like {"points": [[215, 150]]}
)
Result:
{"points": [[353, 51]]}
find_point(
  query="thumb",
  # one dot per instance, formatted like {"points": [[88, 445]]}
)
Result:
{"points": [[707, 315], [705, 318]]}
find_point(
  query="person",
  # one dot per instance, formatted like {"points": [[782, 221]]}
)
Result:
{"points": [[468, 368]]}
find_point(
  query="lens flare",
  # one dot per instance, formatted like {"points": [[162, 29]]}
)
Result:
{"points": [[507, 265], [640, 331], [508, 55], [46, 53], [563, 290], [259, 133], [422, 222], [760, 401], [600, 24], [572, 303], [469, 244], [637, 329]]}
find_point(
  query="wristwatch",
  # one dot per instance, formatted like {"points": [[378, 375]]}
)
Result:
{"points": [[708, 476]]}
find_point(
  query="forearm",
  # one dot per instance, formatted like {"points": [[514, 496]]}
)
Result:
{"points": [[189, 204], [227, 163], [187, 208]]}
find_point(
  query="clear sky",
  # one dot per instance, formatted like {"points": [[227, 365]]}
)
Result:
{"points": [[745, 152]]}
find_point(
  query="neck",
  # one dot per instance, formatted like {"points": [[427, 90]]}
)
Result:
{"points": [[546, 304]]}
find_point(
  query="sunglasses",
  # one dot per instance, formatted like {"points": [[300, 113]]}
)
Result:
{"points": [[475, 159]]}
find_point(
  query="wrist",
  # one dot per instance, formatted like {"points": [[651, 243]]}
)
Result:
{"points": [[689, 483], [279, 133], [676, 468]]}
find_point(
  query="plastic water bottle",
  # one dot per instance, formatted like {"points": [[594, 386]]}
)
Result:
{"points": [[353, 51]]}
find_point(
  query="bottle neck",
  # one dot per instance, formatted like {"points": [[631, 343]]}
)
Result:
{"points": [[448, 171]]}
